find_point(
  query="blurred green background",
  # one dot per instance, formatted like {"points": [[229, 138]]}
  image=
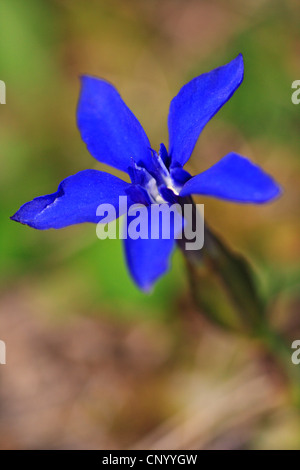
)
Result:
{"points": [[92, 362]]}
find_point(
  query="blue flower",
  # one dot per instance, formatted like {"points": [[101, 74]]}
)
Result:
{"points": [[114, 136]]}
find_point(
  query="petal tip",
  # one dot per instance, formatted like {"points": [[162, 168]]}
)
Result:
{"points": [[240, 57], [275, 193], [240, 61], [146, 289], [15, 217]]}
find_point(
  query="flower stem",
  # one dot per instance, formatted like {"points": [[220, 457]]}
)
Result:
{"points": [[225, 290], [230, 272]]}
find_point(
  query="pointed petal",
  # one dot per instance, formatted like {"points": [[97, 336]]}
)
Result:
{"points": [[196, 103], [234, 178], [75, 201], [111, 132], [148, 258]]}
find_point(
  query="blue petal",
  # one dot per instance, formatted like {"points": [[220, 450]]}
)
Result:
{"points": [[163, 153], [138, 195], [75, 201], [234, 178], [196, 103], [111, 132], [179, 176], [148, 259]]}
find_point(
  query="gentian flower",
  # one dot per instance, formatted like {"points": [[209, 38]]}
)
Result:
{"points": [[114, 136]]}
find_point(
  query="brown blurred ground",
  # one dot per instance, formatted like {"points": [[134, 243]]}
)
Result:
{"points": [[90, 383]]}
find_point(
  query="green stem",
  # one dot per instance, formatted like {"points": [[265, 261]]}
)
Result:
{"points": [[224, 288], [230, 272]]}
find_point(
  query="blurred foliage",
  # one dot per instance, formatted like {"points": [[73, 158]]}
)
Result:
{"points": [[148, 49]]}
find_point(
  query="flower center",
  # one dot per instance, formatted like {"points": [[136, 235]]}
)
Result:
{"points": [[158, 183], [153, 188]]}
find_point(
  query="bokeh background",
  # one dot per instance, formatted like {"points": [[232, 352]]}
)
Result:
{"points": [[91, 361]]}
